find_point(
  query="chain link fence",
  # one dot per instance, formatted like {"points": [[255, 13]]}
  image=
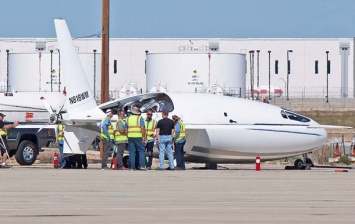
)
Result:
{"points": [[36, 113]]}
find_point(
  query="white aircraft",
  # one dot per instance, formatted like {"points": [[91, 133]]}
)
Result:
{"points": [[220, 129]]}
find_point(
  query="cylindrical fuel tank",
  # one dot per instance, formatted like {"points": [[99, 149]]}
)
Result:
{"points": [[197, 72], [31, 72]]}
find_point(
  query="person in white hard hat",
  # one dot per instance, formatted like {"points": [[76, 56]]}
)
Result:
{"points": [[107, 137]]}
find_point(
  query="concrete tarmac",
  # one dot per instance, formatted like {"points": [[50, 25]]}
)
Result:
{"points": [[233, 194]]}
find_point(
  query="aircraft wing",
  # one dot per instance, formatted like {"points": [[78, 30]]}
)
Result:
{"points": [[84, 121]]}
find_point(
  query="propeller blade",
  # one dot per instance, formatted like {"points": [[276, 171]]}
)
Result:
{"points": [[47, 105], [40, 129], [62, 101]]}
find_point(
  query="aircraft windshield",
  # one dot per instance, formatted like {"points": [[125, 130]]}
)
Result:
{"points": [[293, 116]]}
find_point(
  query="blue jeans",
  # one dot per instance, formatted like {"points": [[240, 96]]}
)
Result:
{"points": [[62, 159], [133, 145], [165, 142], [179, 154]]}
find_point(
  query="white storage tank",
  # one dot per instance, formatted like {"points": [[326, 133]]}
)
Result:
{"points": [[31, 72], [199, 71]]}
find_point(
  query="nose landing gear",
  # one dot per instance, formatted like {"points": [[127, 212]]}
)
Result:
{"points": [[304, 164]]}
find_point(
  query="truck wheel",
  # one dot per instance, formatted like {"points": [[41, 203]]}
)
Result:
{"points": [[26, 153]]}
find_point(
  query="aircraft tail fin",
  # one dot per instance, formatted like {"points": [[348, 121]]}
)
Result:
{"points": [[78, 92]]}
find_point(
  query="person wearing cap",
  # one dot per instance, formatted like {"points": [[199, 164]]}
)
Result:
{"points": [[150, 125], [164, 137], [121, 139], [136, 139], [179, 141], [107, 137], [4, 146]]}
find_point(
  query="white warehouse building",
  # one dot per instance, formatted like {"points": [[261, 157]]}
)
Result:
{"points": [[266, 62]]}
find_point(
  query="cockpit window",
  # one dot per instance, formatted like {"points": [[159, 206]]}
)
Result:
{"points": [[155, 101], [293, 116]]}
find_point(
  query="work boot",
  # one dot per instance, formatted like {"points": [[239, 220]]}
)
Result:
{"points": [[5, 165]]}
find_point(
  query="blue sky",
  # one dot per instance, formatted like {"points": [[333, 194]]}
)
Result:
{"points": [[183, 18]]}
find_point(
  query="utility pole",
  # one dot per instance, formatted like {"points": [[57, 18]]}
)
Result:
{"points": [[105, 51]]}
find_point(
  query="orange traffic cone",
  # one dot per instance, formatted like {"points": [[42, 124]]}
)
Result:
{"points": [[337, 151], [353, 153], [114, 163]]}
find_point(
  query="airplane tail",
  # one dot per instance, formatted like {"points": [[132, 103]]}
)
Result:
{"points": [[78, 91], [79, 97]]}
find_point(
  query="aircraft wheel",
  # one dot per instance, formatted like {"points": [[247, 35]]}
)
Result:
{"points": [[126, 161], [299, 164]]}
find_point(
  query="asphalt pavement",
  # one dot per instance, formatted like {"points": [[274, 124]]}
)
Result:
{"points": [[231, 194]]}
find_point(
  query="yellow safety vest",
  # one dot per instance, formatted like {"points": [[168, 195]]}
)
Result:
{"points": [[182, 133], [134, 128], [120, 136], [109, 128], [3, 132], [149, 128], [60, 135]]}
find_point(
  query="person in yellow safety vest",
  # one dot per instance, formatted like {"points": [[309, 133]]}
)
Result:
{"points": [[179, 142], [150, 125], [60, 142], [136, 139], [3, 143], [121, 139], [107, 137]]}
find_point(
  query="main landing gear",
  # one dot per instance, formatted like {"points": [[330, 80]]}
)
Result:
{"points": [[304, 164]]}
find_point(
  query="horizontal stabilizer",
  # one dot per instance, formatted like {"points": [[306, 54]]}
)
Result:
{"points": [[77, 140]]}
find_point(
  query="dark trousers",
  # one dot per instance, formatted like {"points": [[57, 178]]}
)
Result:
{"points": [[3, 146], [149, 146], [81, 161], [119, 155], [179, 154], [106, 152], [71, 162]]}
